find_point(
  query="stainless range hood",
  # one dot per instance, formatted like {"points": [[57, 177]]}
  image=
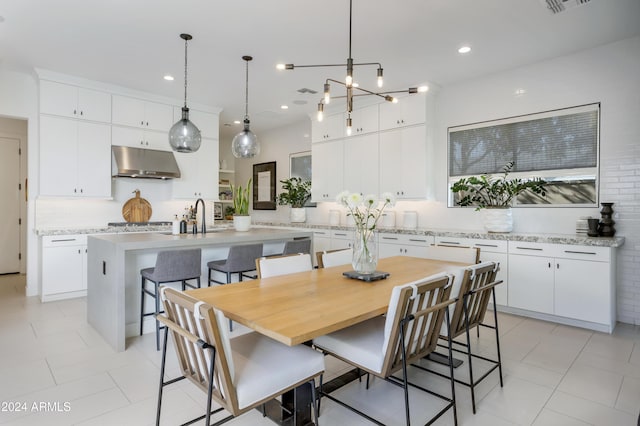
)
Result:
{"points": [[143, 163]]}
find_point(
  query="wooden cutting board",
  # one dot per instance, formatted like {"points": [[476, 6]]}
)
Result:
{"points": [[136, 209]]}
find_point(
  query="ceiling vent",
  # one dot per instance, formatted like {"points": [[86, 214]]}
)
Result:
{"points": [[557, 6]]}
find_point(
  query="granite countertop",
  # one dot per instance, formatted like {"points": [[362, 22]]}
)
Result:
{"points": [[575, 239]]}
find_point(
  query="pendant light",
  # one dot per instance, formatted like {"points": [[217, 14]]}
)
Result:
{"points": [[245, 144], [184, 136]]}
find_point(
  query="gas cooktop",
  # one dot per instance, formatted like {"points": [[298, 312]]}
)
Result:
{"points": [[138, 223]]}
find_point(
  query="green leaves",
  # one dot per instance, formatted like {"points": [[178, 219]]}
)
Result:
{"points": [[241, 199], [488, 191], [296, 192]]}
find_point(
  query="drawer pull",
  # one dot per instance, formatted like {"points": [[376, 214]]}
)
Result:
{"points": [[529, 248], [486, 245], [448, 242], [580, 252], [389, 238], [417, 241], [64, 240], [342, 235]]}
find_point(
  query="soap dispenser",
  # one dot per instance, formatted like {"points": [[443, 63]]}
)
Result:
{"points": [[175, 225]]}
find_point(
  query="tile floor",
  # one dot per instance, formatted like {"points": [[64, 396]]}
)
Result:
{"points": [[56, 370]]}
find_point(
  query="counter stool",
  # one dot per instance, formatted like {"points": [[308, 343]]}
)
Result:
{"points": [[241, 259], [302, 245], [171, 266]]}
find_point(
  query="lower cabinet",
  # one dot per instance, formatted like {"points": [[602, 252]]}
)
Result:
{"points": [[572, 282], [64, 267], [341, 239], [403, 245]]}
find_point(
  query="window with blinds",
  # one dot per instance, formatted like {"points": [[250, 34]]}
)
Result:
{"points": [[561, 146]]}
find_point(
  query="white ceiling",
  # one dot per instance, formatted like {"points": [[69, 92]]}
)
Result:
{"points": [[133, 43]]}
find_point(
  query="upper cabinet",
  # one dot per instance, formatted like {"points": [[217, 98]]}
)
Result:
{"points": [[403, 162], [207, 122], [364, 120], [408, 111], [327, 173], [75, 158], [75, 102], [139, 138], [363, 152], [143, 114], [331, 127], [198, 172]]}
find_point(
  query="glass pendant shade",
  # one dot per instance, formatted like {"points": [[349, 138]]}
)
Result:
{"points": [[184, 136], [245, 144]]}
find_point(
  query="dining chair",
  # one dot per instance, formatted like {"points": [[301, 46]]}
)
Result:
{"points": [[282, 265], [468, 255], [388, 344], [327, 259], [171, 266], [476, 289], [237, 373]]}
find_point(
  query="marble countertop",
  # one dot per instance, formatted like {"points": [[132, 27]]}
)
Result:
{"points": [[511, 236]]}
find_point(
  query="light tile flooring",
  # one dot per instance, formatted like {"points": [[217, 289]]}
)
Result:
{"points": [[56, 370]]}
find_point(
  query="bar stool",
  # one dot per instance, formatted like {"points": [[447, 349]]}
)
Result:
{"points": [[302, 245], [171, 266], [241, 259]]}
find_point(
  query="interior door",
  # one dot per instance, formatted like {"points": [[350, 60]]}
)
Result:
{"points": [[10, 211]]}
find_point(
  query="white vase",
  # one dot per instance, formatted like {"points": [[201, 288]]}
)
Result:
{"points": [[497, 220], [242, 223], [298, 214]]}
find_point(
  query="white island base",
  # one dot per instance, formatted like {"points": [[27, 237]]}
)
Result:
{"points": [[114, 262]]}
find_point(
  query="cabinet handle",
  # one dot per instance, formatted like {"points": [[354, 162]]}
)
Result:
{"points": [[529, 248], [142, 123], [81, 112], [486, 245], [580, 252], [342, 235], [449, 242], [104, 267], [74, 112], [549, 264], [557, 266], [63, 240], [147, 124], [79, 251], [417, 241], [389, 238]]}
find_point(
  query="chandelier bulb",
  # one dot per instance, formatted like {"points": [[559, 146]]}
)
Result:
{"points": [[349, 126], [380, 78], [327, 93], [320, 111]]}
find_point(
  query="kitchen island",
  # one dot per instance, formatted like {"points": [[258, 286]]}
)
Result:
{"points": [[114, 262]]}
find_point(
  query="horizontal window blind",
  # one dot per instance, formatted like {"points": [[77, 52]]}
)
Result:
{"points": [[555, 140]]}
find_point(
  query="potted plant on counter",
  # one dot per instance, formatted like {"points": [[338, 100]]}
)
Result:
{"points": [[495, 195], [296, 194], [241, 218]]}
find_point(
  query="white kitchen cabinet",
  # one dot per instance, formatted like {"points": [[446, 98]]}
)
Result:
{"points": [[140, 138], [490, 251], [143, 114], [64, 267], [364, 120], [361, 164], [341, 239], [206, 122], [74, 102], [576, 283], [198, 172], [408, 111], [390, 244], [331, 127], [75, 158], [327, 173], [403, 162]]}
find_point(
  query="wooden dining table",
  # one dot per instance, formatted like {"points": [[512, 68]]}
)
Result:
{"points": [[296, 308]]}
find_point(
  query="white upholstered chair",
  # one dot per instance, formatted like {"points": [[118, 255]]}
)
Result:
{"points": [[282, 265], [327, 259], [387, 344], [237, 373]]}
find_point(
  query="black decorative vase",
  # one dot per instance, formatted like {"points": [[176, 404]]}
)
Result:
{"points": [[606, 222]]}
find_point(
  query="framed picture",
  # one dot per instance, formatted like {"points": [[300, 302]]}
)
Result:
{"points": [[300, 166], [264, 186], [217, 211]]}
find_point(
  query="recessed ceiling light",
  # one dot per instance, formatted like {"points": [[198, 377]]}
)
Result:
{"points": [[464, 49], [168, 77], [236, 121], [284, 106], [520, 92]]}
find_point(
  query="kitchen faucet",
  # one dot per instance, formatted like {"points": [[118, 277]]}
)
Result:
{"points": [[204, 223]]}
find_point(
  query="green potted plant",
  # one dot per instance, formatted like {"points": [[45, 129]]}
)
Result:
{"points": [[495, 195], [296, 194], [228, 213], [241, 218]]}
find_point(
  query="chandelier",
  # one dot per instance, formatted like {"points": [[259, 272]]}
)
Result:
{"points": [[349, 84]]}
